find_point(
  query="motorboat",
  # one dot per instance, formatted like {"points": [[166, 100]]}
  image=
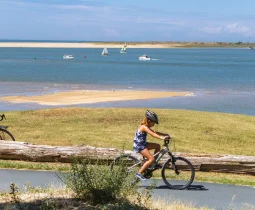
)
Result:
{"points": [[144, 58], [68, 57], [105, 52]]}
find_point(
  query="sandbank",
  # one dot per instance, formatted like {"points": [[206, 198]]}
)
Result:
{"points": [[86, 45], [91, 96]]}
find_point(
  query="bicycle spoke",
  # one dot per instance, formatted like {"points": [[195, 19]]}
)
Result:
{"points": [[178, 175]]}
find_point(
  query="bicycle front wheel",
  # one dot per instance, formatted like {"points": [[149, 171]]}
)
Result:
{"points": [[6, 135], [178, 174]]}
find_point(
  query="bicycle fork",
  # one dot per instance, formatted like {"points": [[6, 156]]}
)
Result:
{"points": [[174, 166]]}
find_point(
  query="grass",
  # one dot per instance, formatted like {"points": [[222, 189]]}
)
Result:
{"points": [[12, 164], [191, 131], [64, 199], [221, 178]]}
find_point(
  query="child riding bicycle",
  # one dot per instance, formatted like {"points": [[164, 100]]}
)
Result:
{"points": [[143, 147]]}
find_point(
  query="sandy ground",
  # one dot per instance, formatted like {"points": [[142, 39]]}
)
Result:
{"points": [[90, 96], [87, 45]]}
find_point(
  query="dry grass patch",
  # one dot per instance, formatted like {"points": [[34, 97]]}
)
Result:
{"points": [[37, 198]]}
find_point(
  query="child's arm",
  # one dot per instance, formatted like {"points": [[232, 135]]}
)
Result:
{"points": [[154, 134], [162, 134]]}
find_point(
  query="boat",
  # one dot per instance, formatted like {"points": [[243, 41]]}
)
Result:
{"points": [[144, 58], [124, 49], [68, 57], [105, 52]]}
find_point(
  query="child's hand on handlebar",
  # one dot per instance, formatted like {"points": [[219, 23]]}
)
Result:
{"points": [[166, 137]]}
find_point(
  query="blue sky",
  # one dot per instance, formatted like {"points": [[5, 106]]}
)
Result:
{"points": [[128, 20]]}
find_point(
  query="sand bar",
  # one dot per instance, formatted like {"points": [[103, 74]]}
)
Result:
{"points": [[86, 45], [90, 96]]}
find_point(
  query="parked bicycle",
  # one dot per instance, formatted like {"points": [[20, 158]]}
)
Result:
{"points": [[4, 133], [177, 172]]}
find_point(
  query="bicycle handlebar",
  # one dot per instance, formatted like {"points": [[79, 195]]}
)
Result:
{"points": [[2, 117], [167, 141]]}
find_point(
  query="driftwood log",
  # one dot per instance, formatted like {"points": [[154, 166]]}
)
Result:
{"points": [[44, 153]]}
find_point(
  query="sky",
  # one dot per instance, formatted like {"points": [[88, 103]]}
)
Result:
{"points": [[128, 20]]}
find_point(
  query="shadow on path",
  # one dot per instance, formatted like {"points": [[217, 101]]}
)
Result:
{"points": [[190, 188]]}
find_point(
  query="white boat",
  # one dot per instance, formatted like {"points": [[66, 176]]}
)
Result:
{"points": [[144, 58], [68, 57], [105, 52]]}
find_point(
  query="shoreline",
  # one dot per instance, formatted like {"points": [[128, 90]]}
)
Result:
{"points": [[75, 97], [83, 45], [159, 45]]}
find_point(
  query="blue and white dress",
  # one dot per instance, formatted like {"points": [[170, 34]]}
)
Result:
{"points": [[140, 141]]}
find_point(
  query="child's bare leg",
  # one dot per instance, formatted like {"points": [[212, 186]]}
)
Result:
{"points": [[155, 146], [150, 160]]}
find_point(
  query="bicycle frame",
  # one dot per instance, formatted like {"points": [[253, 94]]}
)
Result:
{"points": [[162, 152], [172, 167]]}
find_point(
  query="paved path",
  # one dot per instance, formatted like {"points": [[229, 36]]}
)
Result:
{"points": [[216, 196]]}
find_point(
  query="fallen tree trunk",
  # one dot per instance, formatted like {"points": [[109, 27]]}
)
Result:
{"points": [[44, 153]]}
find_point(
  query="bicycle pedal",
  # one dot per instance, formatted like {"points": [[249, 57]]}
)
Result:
{"points": [[155, 167]]}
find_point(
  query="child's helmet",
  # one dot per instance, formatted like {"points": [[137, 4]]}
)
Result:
{"points": [[150, 115]]}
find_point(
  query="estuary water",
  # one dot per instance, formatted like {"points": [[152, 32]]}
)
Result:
{"points": [[221, 80]]}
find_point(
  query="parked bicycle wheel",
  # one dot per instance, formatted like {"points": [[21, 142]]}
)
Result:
{"points": [[6, 135], [179, 174]]}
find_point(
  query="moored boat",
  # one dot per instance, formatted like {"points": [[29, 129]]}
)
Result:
{"points": [[68, 57], [144, 58], [105, 52]]}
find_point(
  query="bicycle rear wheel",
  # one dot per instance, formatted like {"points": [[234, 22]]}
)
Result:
{"points": [[130, 164], [178, 174], [6, 135]]}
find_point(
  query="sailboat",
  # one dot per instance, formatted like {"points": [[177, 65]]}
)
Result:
{"points": [[124, 49], [105, 52]]}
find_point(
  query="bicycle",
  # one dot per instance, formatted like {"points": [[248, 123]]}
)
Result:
{"points": [[4, 133], [177, 172]]}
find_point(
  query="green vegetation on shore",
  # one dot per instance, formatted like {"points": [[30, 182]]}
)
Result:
{"points": [[191, 131], [186, 44]]}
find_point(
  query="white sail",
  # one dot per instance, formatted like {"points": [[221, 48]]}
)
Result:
{"points": [[105, 51], [123, 49]]}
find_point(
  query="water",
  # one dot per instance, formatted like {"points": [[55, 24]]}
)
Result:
{"points": [[222, 80]]}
